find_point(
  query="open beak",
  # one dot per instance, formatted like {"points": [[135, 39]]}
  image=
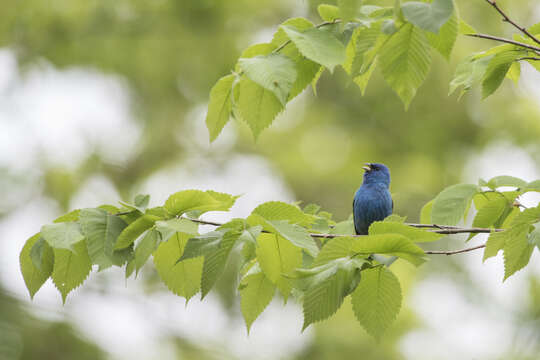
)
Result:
{"points": [[367, 167]]}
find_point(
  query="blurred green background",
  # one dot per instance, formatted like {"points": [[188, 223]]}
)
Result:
{"points": [[100, 100]]}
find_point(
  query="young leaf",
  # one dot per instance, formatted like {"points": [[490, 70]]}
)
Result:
{"points": [[182, 278], [413, 234], [35, 276], [328, 286], [296, 235], [328, 12], [490, 213], [405, 60], [219, 106], [505, 180], [145, 248], [317, 45], [496, 71], [256, 292], [257, 106], [468, 73], [428, 16], [101, 230], [425, 213], [517, 252], [71, 268], [278, 257], [390, 244], [377, 300], [167, 227], [451, 204], [338, 247], [134, 230], [274, 72], [348, 9], [277, 210], [202, 201], [497, 240], [62, 235], [444, 41]]}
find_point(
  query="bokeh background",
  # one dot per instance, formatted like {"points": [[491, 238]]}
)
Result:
{"points": [[101, 100]]}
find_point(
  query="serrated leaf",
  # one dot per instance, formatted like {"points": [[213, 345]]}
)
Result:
{"points": [[514, 72], [145, 248], [405, 60], [280, 37], [425, 213], [497, 240], [348, 9], [465, 28], [62, 235], [317, 45], [389, 244], [256, 292], [362, 40], [35, 276], [274, 72], [69, 217], [490, 214], [496, 71], [134, 230], [328, 12], [219, 106], [469, 72], [338, 247], [197, 200], [296, 235], [168, 227], [505, 180], [377, 300], [101, 231], [306, 69], [444, 41], [257, 106], [428, 16], [328, 286], [344, 228], [278, 258], [517, 251], [182, 278], [277, 210], [37, 252], [70, 268], [413, 234], [527, 216], [451, 204]]}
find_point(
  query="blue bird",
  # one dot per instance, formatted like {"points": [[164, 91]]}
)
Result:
{"points": [[372, 201]]}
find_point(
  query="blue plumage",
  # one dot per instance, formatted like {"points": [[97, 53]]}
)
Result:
{"points": [[372, 201]]}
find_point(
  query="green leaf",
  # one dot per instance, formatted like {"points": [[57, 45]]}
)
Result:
{"points": [[37, 252], [257, 106], [348, 9], [338, 247], [278, 258], [182, 278], [377, 300], [317, 45], [328, 12], [280, 37], [134, 230], [296, 235], [274, 72], [496, 71], [140, 203], [514, 72], [219, 106], [444, 41], [35, 276], [145, 248], [533, 186], [71, 268], [413, 234], [490, 214], [534, 236], [425, 213], [465, 28], [328, 286], [62, 235], [316, 79], [389, 244], [344, 228], [101, 231], [405, 60], [450, 205], [517, 252], [497, 240], [256, 292], [168, 227], [197, 200], [469, 72], [505, 180], [277, 210], [428, 16], [359, 56]]}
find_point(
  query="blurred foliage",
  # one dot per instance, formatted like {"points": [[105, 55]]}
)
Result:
{"points": [[171, 52]]}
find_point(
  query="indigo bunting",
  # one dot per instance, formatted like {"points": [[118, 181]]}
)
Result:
{"points": [[372, 201]]}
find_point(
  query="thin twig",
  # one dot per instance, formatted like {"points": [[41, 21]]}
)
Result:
{"points": [[528, 58], [508, 41], [439, 229], [452, 252], [507, 19]]}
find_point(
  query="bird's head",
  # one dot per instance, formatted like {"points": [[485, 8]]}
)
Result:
{"points": [[376, 173]]}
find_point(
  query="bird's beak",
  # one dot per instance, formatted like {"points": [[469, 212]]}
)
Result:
{"points": [[367, 167]]}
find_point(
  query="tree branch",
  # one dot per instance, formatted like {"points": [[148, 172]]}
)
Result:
{"points": [[452, 252], [508, 41], [528, 58], [507, 19]]}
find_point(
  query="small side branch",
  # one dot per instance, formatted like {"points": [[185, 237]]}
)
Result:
{"points": [[453, 252], [508, 41], [508, 20]]}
